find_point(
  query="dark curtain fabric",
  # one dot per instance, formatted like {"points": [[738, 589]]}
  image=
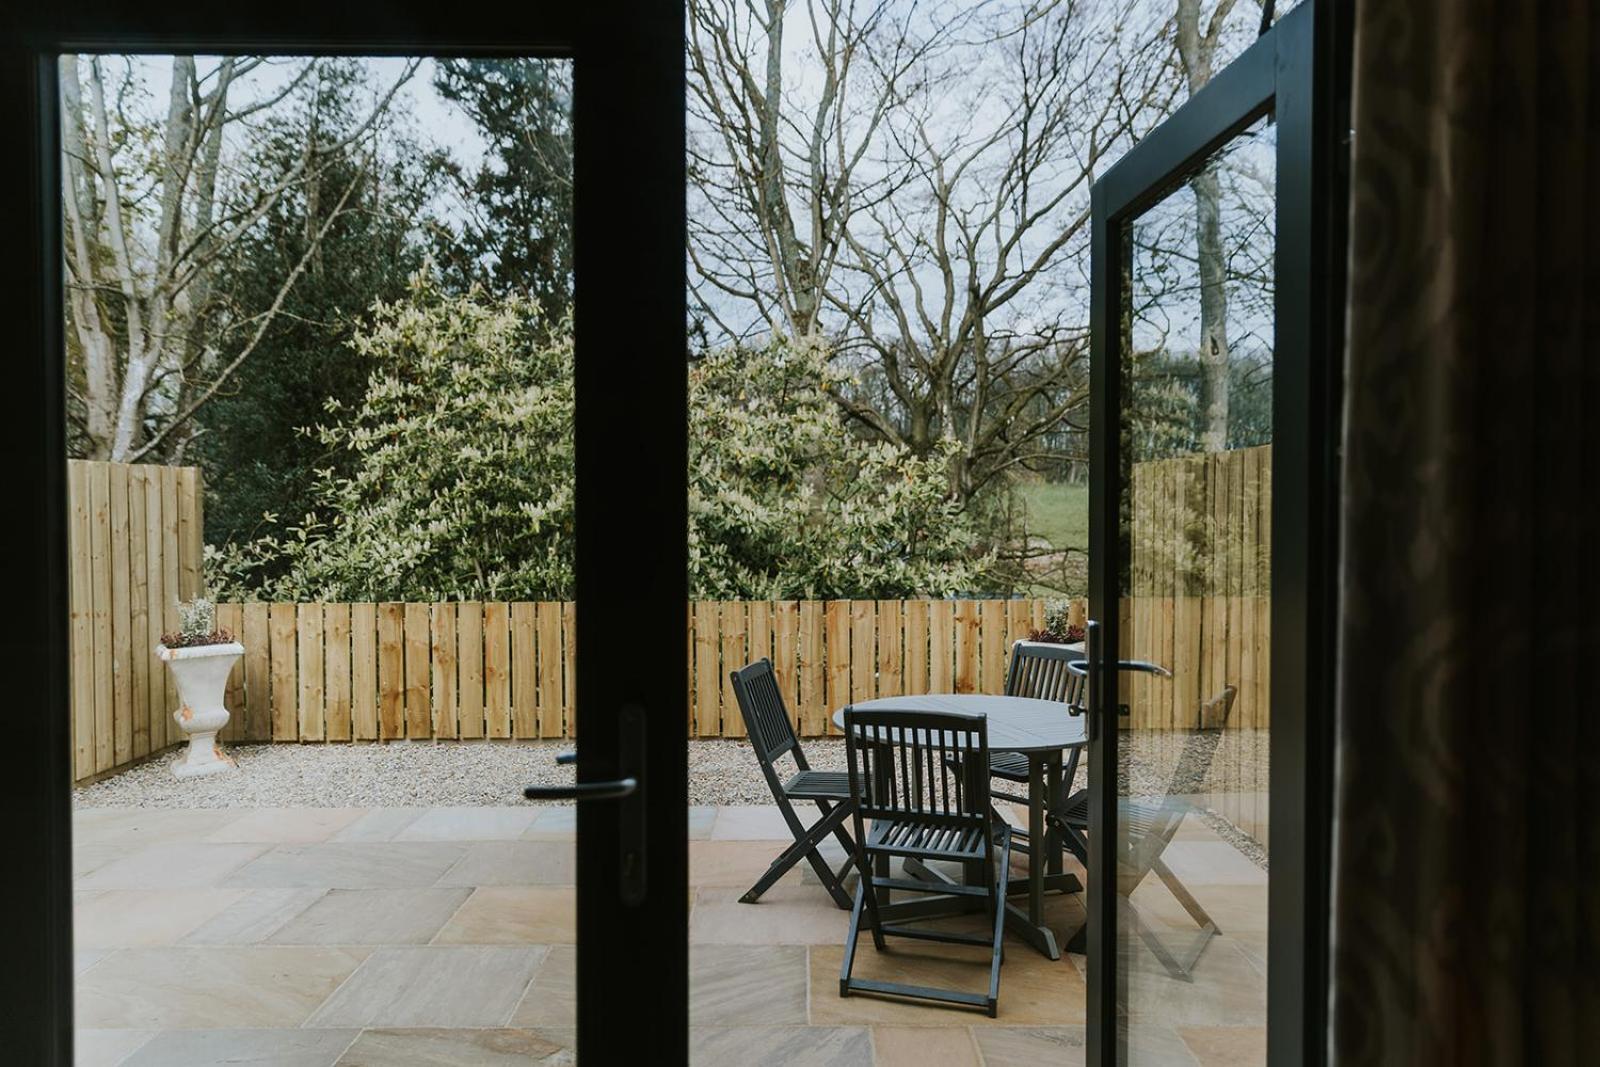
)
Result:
{"points": [[1466, 925]]}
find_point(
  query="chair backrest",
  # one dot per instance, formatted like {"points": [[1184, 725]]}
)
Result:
{"points": [[766, 720], [1194, 763], [926, 764], [1040, 671]]}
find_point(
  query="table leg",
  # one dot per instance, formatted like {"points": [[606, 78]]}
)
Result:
{"points": [[1038, 846], [1052, 836]]}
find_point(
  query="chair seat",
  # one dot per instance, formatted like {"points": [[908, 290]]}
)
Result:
{"points": [[914, 837], [1137, 818], [818, 785], [1012, 766]]}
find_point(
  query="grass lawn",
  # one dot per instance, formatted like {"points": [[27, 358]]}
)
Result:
{"points": [[1058, 513]]}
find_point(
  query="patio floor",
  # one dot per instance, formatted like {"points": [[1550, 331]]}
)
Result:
{"points": [[323, 936]]}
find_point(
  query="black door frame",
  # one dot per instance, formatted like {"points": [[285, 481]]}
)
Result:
{"points": [[631, 434], [1298, 71]]}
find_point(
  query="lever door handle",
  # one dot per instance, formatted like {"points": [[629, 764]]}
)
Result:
{"points": [[631, 851], [620, 787]]}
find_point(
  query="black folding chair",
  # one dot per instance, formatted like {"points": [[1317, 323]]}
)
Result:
{"points": [[1149, 828], [1041, 672], [772, 734], [906, 769]]}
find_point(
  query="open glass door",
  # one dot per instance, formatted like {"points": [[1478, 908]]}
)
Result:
{"points": [[1206, 293], [414, 666]]}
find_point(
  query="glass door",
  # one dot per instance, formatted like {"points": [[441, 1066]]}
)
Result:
{"points": [[1199, 563], [425, 667]]}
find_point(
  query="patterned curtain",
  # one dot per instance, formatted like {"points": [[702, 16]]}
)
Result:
{"points": [[1467, 837]]}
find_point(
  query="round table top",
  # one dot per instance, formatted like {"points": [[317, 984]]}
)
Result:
{"points": [[1016, 724]]}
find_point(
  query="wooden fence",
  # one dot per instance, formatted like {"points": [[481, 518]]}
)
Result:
{"points": [[1200, 585], [134, 550], [374, 672], [389, 671]]}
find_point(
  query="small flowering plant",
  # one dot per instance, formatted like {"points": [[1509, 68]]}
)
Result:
{"points": [[1057, 630], [197, 625]]}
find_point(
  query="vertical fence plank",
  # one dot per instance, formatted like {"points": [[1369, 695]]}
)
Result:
{"points": [[992, 638], [785, 657], [256, 634], [836, 646], [230, 617], [156, 708], [569, 666], [916, 651], [1017, 627], [548, 614], [524, 672], [758, 634], [308, 622], [139, 644], [734, 656], [171, 589], [891, 638], [812, 662], [364, 671], [285, 686], [81, 626], [497, 669], [707, 670], [336, 668], [863, 650], [759, 637], [469, 655], [100, 583], [689, 664], [966, 636], [419, 670], [941, 644], [392, 677], [191, 550], [442, 651]]}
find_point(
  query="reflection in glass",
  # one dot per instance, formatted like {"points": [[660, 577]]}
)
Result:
{"points": [[1192, 780]]}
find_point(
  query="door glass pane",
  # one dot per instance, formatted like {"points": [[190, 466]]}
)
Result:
{"points": [[319, 362], [1195, 579]]}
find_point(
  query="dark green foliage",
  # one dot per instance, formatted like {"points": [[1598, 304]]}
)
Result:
{"points": [[255, 459], [517, 234]]}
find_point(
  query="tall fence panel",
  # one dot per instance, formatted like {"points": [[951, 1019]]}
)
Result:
{"points": [[338, 672], [1200, 585], [134, 550], [334, 671], [1200, 603]]}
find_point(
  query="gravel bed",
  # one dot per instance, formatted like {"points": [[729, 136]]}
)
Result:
{"points": [[413, 774], [465, 773]]}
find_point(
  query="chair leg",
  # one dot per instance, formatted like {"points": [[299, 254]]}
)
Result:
{"points": [[874, 916], [998, 950], [839, 833], [1178, 965], [1184, 897], [850, 940], [805, 847]]}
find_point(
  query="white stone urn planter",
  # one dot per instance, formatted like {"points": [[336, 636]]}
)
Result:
{"points": [[201, 672]]}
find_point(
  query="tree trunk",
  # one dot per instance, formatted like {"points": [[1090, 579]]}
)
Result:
{"points": [[1198, 52], [1213, 312], [82, 234]]}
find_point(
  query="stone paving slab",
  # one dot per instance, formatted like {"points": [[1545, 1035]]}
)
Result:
{"points": [[400, 936]]}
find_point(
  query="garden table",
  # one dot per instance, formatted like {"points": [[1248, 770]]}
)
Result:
{"points": [[1041, 730]]}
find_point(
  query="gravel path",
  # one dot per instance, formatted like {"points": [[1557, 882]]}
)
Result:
{"points": [[450, 774]]}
